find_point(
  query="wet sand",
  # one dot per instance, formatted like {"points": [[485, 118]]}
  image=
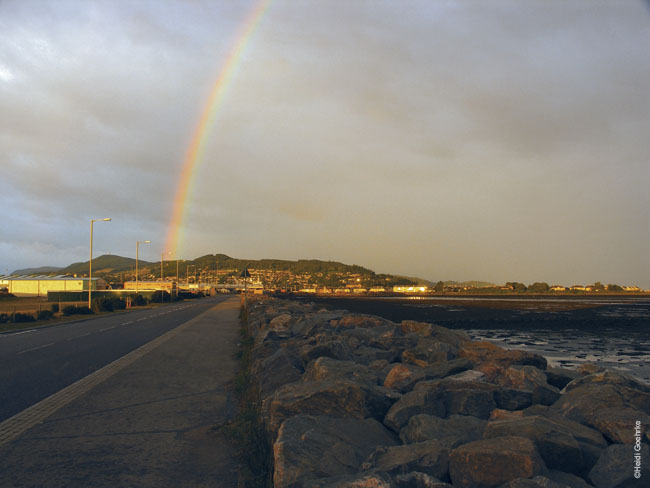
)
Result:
{"points": [[608, 331]]}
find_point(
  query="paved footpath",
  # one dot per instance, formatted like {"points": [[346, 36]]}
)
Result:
{"points": [[142, 421]]}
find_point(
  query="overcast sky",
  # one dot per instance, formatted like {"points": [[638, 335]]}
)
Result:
{"points": [[492, 140]]}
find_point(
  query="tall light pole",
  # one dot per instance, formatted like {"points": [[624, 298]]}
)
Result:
{"points": [[90, 263], [177, 277], [137, 252], [162, 254]]}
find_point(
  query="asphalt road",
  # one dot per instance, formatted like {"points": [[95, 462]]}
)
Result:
{"points": [[36, 363]]}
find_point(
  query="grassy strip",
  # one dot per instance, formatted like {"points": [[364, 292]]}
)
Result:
{"points": [[246, 430]]}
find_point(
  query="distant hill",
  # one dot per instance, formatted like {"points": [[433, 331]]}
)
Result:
{"points": [[473, 284], [419, 281], [478, 284], [108, 263], [41, 270], [299, 266], [113, 264]]}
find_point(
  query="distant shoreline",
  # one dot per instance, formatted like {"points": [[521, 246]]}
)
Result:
{"points": [[546, 302]]}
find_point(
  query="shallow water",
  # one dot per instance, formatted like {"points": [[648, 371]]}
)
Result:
{"points": [[614, 333]]}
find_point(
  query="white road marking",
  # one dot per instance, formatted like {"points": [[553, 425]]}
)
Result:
{"points": [[35, 348], [106, 328], [21, 332], [127, 323]]}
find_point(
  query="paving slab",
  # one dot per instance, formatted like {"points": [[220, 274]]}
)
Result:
{"points": [[146, 425]]}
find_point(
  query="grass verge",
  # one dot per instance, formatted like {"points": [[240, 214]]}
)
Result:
{"points": [[246, 431]]}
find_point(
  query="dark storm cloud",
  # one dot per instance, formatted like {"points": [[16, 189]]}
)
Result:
{"points": [[490, 140]]}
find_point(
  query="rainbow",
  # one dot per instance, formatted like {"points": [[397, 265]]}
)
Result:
{"points": [[194, 155]]}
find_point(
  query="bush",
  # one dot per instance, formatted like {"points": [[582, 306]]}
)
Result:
{"points": [[24, 317], [160, 296], [118, 304], [105, 305], [4, 318], [45, 315], [69, 310], [138, 300], [55, 308], [72, 310]]}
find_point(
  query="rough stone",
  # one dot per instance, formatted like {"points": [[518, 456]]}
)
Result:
{"points": [[568, 479], [426, 457], [412, 403], [275, 371], [582, 403], [337, 397], [500, 414], [352, 481], [493, 462], [355, 321], [535, 482], [615, 468], [560, 377], [419, 480], [335, 349], [482, 351], [452, 431], [309, 448], [281, 322], [403, 377], [558, 448], [589, 368], [325, 368], [618, 424], [608, 377]]}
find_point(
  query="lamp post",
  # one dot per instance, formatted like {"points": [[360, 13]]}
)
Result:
{"points": [[137, 251], [162, 254], [90, 263], [177, 277]]}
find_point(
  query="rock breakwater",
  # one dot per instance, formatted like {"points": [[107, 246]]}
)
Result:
{"points": [[352, 400]]}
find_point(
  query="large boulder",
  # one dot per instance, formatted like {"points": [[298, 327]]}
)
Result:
{"points": [[618, 424], [535, 482], [304, 325], [353, 321], [608, 377], [483, 351], [412, 403], [403, 377], [275, 371], [558, 448], [568, 479], [335, 349], [336, 397], [281, 322], [416, 479], [560, 377], [493, 462], [452, 431], [455, 396], [313, 447], [360, 480], [425, 457], [582, 403], [531, 379], [325, 368], [440, 334], [616, 467]]}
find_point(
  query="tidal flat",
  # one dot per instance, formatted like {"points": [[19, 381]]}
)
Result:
{"points": [[609, 331]]}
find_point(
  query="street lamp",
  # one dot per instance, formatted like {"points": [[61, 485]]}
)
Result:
{"points": [[162, 254], [137, 250], [90, 263]]}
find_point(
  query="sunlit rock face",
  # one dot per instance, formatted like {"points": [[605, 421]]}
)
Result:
{"points": [[352, 400]]}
